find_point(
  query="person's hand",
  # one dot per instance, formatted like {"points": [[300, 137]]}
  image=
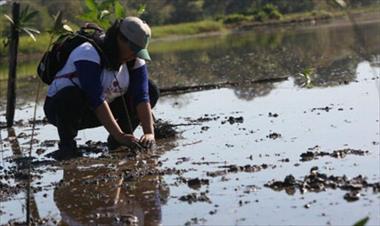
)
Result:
{"points": [[147, 140], [127, 139]]}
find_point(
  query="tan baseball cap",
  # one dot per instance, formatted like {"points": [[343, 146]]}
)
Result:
{"points": [[138, 34]]}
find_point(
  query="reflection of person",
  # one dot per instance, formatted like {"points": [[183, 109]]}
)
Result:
{"points": [[89, 198], [88, 93]]}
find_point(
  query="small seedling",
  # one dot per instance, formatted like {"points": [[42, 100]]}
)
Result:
{"points": [[307, 74], [23, 24]]}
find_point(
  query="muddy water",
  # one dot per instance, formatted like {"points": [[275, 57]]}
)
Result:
{"points": [[265, 127]]}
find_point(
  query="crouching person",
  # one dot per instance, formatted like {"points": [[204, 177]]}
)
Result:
{"points": [[95, 88]]}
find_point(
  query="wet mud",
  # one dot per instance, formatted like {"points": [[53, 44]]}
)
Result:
{"points": [[314, 153], [320, 182], [224, 156]]}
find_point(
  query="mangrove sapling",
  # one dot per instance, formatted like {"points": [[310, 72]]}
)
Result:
{"points": [[58, 28], [104, 12], [23, 24], [19, 22], [307, 75]]}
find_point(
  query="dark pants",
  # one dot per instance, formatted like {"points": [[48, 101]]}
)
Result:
{"points": [[69, 111]]}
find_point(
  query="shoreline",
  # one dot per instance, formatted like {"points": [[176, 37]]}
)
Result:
{"points": [[362, 17], [335, 21]]}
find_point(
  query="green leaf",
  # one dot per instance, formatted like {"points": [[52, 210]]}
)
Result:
{"points": [[106, 4], [91, 5], [119, 10], [104, 24], [67, 28], [57, 22], [89, 16], [30, 34], [141, 9], [30, 16], [341, 3], [103, 14], [24, 11], [9, 18], [5, 42], [362, 222], [32, 30]]}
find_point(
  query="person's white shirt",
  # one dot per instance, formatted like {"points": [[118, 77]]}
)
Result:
{"points": [[111, 86]]}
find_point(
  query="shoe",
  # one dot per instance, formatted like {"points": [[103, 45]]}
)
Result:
{"points": [[60, 155]]}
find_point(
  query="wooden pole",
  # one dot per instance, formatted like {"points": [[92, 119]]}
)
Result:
{"points": [[13, 46]]}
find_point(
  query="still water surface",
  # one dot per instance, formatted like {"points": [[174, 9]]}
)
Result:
{"points": [[345, 79]]}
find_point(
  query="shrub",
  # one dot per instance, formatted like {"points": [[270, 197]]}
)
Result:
{"points": [[260, 16], [321, 14], [235, 18], [272, 12]]}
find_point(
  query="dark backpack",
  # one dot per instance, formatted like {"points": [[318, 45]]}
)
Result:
{"points": [[54, 59]]}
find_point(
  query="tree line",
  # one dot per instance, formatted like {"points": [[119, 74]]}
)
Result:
{"points": [[162, 12]]}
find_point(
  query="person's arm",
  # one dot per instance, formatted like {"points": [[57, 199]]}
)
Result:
{"points": [[144, 113], [89, 77], [105, 116], [139, 89]]}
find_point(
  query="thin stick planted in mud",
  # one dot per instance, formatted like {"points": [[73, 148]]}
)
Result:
{"points": [[30, 153]]}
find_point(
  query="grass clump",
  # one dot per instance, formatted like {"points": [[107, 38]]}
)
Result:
{"points": [[28, 46], [187, 28], [236, 18], [267, 12]]}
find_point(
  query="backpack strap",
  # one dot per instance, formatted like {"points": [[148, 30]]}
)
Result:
{"points": [[93, 26], [68, 75]]}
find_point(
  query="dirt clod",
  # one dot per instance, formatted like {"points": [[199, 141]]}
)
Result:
{"points": [[194, 197], [352, 196], [274, 136], [318, 182], [163, 130], [314, 154], [196, 183]]}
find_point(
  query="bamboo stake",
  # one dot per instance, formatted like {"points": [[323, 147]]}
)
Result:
{"points": [[13, 46]]}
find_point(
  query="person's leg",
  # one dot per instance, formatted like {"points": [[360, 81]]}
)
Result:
{"points": [[118, 110], [65, 110]]}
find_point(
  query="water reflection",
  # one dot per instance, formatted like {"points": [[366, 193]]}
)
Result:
{"points": [[254, 55], [90, 194], [332, 52], [250, 91]]}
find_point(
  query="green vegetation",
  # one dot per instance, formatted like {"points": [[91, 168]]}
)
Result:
{"points": [[236, 18], [187, 28], [267, 12], [177, 17], [307, 75], [165, 12], [362, 222], [24, 22], [104, 13]]}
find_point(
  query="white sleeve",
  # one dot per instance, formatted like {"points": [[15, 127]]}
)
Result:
{"points": [[138, 63], [85, 52]]}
